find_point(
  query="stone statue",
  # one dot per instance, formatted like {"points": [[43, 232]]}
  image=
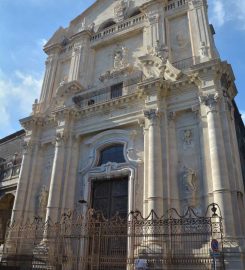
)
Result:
{"points": [[120, 10], [120, 57], [188, 137], [43, 201], [189, 178]]}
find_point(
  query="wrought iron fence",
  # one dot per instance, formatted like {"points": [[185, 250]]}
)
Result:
{"points": [[93, 242]]}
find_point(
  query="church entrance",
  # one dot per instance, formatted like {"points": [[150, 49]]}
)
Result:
{"points": [[109, 249], [110, 196]]}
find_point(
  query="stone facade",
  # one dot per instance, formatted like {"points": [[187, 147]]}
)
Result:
{"points": [[144, 75]]}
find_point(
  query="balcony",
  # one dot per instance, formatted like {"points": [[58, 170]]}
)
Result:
{"points": [[129, 24], [113, 92]]}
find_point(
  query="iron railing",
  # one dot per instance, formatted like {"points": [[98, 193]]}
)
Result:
{"points": [[95, 97], [93, 242], [184, 63]]}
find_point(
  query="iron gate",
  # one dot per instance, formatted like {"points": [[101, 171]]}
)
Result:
{"points": [[93, 242]]}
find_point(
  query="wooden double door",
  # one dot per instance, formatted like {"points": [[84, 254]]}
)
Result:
{"points": [[111, 196]]}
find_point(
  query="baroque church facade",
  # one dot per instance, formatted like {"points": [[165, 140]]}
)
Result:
{"points": [[136, 113]]}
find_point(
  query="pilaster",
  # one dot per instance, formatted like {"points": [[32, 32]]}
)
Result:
{"points": [[154, 32], [49, 78], [75, 63], [202, 40]]}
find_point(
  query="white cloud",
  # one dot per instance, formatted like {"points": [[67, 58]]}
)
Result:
{"points": [[218, 13], [243, 116], [41, 42], [17, 94], [223, 11]]}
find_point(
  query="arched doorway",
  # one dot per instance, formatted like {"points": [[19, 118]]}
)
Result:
{"points": [[6, 206]]}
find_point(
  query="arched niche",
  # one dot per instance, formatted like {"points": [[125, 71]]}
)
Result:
{"points": [[106, 24]]}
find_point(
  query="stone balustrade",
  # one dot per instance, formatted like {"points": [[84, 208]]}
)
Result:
{"points": [[176, 5], [9, 170], [127, 24]]}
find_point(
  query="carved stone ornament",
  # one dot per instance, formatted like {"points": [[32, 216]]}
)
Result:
{"points": [[151, 65], [161, 51], [210, 100], [83, 26], [120, 57], [121, 66], [120, 10], [151, 115], [195, 3], [43, 198], [27, 146], [171, 116], [61, 137], [189, 180], [109, 167], [204, 51], [187, 138]]}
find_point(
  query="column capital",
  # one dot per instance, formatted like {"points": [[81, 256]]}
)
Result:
{"points": [[29, 145], [196, 3], [152, 115], [210, 100], [61, 138]]}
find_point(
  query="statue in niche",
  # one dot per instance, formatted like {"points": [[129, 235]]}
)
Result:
{"points": [[43, 201], [120, 58], [189, 179]]}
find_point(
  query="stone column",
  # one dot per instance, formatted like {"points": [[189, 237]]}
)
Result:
{"points": [[71, 173], [57, 175], [75, 63], [155, 181], [220, 180], [30, 151]]}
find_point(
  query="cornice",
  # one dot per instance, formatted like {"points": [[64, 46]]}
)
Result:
{"points": [[31, 122]]}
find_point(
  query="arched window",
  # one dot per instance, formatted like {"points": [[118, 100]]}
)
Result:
{"points": [[112, 153], [106, 24]]}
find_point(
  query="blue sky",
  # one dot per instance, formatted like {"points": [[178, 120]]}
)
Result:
{"points": [[25, 25]]}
